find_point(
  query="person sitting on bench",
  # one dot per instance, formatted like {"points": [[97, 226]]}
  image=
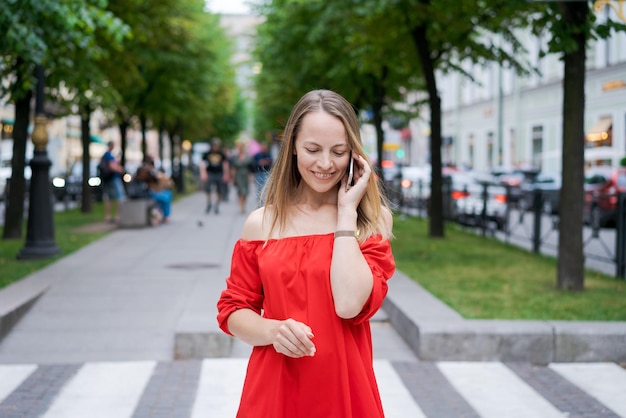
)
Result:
{"points": [[159, 186]]}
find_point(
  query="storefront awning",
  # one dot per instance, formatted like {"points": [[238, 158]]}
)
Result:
{"points": [[600, 130]]}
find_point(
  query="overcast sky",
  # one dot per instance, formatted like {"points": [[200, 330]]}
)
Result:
{"points": [[228, 6]]}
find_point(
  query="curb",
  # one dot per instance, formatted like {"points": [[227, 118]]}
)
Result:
{"points": [[17, 298], [440, 336]]}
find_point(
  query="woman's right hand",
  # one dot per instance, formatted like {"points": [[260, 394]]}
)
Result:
{"points": [[294, 339]]}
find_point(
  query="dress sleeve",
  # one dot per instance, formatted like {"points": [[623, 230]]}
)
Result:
{"points": [[377, 253], [243, 287]]}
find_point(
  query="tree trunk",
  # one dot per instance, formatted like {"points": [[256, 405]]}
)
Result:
{"points": [[570, 270], [14, 211], [86, 198], [435, 208], [144, 142], [380, 134], [181, 172], [379, 101], [160, 156], [124, 141]]}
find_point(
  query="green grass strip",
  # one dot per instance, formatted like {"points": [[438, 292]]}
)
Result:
{"points": [[484, 278]]}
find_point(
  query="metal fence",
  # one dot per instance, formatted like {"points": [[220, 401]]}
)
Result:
{"points": [[529, 226]]}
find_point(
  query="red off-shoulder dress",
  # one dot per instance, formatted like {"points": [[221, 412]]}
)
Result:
{"points": [[290, 278]]}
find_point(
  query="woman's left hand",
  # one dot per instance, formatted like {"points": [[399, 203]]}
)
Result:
{"points": [[351, 196]]}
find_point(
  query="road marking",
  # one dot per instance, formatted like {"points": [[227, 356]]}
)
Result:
{"points": [[11, 376], [220, 386], [604, 381], [102, 390], [396, 398], [494, 391]]}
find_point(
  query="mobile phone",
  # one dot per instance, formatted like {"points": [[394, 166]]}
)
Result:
{"points": [[350, 181]]}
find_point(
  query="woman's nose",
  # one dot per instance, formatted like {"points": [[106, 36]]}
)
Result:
{"points": [[325, 162]]}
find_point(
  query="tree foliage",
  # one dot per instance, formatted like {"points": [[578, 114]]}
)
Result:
{"points": [[377, 52], [306, 45], [42, 33]]}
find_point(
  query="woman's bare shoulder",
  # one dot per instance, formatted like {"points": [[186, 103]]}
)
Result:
{"points": [[254, 227]]}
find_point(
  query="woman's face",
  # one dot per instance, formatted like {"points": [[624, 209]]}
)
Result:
{"points": [[322, 151]]}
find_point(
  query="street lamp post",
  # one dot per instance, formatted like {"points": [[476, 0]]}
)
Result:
{"points": [[40, 240]]}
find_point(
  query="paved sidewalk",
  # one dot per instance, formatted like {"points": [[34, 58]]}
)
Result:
{"points": [[139, 294], [126, 327], [150, 294]]}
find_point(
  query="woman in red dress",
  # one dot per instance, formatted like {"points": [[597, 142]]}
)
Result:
{"points": [[310, 270]]}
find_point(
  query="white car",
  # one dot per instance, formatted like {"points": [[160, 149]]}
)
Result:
{"points": [[478, 200], [415, 185]]}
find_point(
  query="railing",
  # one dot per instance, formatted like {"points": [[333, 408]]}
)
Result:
{"points": [[529, 226]]}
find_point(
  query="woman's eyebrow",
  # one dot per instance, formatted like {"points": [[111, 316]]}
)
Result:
{"points": [[313, 143]]}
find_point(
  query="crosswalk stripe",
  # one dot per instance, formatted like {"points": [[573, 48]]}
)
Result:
{"points": [[219, 389], [212, 388], [11, 376], [397, 400], [102, 390], [221, 382], [494, 391], [604, 381]]}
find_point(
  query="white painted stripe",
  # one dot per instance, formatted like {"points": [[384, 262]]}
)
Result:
{"points": [[494, 391], [102, 390], [220, 386], [11, 376], [397, 400], [604, 381]]}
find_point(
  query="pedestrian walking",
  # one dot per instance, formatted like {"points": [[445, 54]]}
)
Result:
{"points": [[214, 173], [262, 166], [110, 172], [310, 270], [241, 167]]}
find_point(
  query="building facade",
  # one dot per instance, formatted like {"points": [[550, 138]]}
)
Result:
{"points": [[506, 121]]}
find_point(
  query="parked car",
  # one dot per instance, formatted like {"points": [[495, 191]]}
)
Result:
{"points": [[415, 185], [70, 185], [549, 184], [602, 188], [473, 194], [513, 181]]}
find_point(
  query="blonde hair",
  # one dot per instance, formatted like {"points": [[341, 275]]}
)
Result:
{"points": [[285, 177]]}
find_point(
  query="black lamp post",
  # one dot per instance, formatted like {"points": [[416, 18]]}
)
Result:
{"points": [[40, 240]]}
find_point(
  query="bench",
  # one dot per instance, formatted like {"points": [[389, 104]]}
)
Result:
{"points": [[139, 213]]}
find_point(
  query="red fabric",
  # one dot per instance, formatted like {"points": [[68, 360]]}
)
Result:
{"points": [[290, 277]]}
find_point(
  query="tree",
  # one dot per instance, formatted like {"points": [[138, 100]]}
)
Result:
{"points": [[447, 34], [310, 45], [571, 25], [39, 33], [175, 71]]}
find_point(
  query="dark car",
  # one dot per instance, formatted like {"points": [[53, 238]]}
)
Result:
{"points": [[602, 188], [514, 180], [70, 186], [549, 186]]}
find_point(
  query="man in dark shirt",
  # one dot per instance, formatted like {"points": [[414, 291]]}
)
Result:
{"points": [[214, 174]]}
